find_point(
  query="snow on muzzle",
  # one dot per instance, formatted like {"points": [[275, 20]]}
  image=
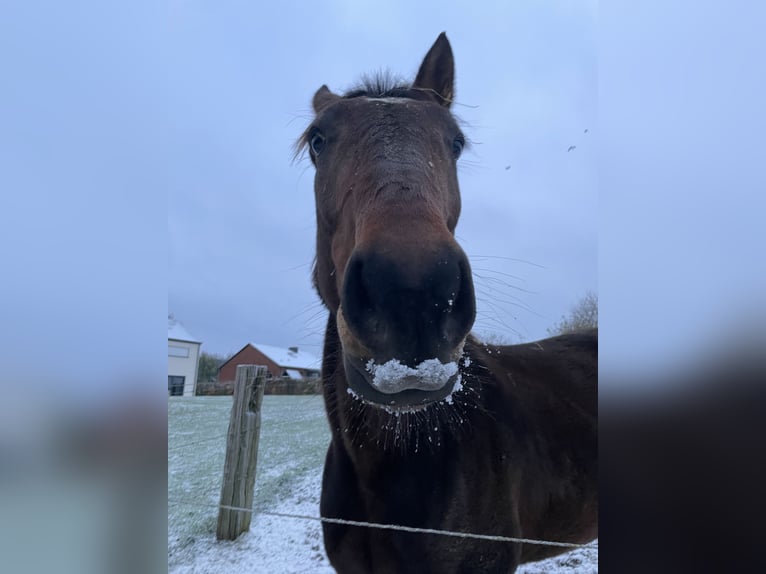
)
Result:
{"points": [[391, 382], [394, 377], [395, 386]]}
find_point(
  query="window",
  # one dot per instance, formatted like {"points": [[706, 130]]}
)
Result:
{"points": [[174, 351], [176, 385]]}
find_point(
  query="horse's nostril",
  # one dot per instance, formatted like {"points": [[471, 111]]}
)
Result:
{"points": [[356, 299], [359, 301], [461, 304]]}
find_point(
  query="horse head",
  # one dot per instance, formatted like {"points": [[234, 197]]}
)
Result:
{"points": [[388, 266]]}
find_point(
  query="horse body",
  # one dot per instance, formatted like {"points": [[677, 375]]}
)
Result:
{"points": [[521, 463], [431, 428]]}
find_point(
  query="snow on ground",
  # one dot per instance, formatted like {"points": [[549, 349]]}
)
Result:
{"points": [[294, 437], [273, 544]]}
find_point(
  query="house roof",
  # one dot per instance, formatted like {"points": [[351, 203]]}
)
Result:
{"points": [[289, 359], [177, 332]]}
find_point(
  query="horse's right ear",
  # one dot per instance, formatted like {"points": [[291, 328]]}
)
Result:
{"points": [[437, 72], [323, 98]]}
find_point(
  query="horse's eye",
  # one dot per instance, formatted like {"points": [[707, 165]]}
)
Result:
{"points": [[316, 142], [457, 146]]}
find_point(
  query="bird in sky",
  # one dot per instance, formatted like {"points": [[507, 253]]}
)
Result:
{"points": [[571, 147]]}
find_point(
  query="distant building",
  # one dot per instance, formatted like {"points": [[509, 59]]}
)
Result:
{"points": [[183, 357], [282, 363]]}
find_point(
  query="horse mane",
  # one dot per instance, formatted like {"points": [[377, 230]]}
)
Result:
{"points": [[381, 84]]}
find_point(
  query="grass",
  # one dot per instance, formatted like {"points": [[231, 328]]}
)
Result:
{"points": [[294, 439]]}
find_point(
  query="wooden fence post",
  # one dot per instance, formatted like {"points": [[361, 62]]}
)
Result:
{"points": [[241, 452]]}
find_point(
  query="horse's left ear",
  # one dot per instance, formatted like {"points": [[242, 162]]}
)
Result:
{"points": [[437, 72], [323, 98]]}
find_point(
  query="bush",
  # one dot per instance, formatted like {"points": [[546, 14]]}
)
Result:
{"points": [[273, 387]]}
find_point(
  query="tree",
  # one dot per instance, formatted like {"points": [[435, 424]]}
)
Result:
{"points": [[499, 339], [207, 371], [583, 316]]}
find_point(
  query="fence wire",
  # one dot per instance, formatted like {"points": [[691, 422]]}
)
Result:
{"points": [[400, 527]]}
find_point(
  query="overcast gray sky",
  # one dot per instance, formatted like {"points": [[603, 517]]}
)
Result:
{"points": [[145, 166], [241, 215]]}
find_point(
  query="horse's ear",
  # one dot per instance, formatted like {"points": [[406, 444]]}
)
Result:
{"points": [[323, 98], [437, 72]]}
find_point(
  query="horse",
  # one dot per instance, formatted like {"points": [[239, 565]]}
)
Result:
{"points": [[431, 428]]}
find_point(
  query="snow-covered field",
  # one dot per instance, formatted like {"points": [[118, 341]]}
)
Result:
{"points": [[294, 437]]}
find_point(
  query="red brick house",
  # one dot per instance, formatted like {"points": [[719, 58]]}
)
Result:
{"points": [[282, 363]]}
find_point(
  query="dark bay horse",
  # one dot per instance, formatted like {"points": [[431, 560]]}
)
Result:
{"points": [[430, 427]]}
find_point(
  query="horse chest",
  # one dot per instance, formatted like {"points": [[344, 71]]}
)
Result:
{"points": [[445, 491]]}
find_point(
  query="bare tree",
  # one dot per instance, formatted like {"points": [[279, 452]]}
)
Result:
{"points": [[584, 315], [498, 339], [207, 371]]}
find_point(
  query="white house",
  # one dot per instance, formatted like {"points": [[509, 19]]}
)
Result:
{"points": [[183, 358]]}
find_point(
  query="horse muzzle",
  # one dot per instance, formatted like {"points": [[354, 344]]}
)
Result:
{"points": [[394, 385]]}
